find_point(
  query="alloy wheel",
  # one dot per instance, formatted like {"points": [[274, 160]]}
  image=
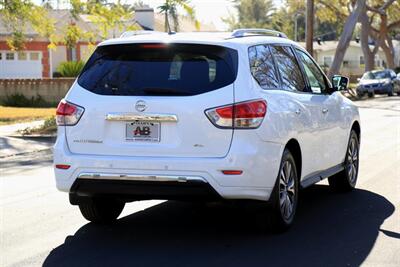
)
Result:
{"points": [[352, 161], [287, 192]]}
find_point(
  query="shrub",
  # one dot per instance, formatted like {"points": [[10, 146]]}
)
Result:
{"points": [[19, 100], [70, 68]]}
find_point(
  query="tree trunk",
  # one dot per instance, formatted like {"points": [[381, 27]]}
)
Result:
{"points": [[369, 56], [387, 47], [345, 38], [389, 54], [310, 26], [166, 22]]}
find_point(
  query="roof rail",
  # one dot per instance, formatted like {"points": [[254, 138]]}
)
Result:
{"points": [[253, 31], [134, 33]]}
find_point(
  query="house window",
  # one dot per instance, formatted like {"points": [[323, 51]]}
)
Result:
{"points": [[10, 56], [34, 56], [22, 56], [327, 61], [362, 61], [345, 63], [1, 56]]}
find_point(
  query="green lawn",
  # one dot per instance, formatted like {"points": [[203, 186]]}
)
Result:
{"points": [[10, 115]]}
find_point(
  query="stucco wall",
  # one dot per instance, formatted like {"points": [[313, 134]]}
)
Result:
{"points": [[51, 90], [351, 65]]}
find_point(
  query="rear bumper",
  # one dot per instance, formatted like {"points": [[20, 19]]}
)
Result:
{"points": [[258, 160], [83, 190]]}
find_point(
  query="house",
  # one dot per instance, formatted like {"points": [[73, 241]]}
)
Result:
{"points": [[37, 60], [353, 62]]}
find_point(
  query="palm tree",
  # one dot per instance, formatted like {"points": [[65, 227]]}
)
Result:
{"points": [[170, 8]]}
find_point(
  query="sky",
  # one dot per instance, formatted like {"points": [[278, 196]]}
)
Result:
{"points": [[208, 11]]}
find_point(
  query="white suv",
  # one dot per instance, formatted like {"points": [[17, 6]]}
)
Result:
{"points": [[242, 115]]}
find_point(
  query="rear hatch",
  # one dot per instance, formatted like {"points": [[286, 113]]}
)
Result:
{"points": [[149, 99]]}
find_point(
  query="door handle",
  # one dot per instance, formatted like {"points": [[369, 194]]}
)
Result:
{"points": [[325, 110]]}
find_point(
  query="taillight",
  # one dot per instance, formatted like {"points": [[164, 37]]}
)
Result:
{"points": [[68, 114], [243, 115]]}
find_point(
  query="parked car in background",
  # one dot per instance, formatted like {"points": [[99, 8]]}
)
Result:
{"points": [[379, 82]]}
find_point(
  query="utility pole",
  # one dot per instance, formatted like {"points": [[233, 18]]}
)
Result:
{"points": [[310, 26]]}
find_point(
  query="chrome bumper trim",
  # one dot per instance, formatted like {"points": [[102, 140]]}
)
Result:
{"points": [[133, 177], [141, 117]]}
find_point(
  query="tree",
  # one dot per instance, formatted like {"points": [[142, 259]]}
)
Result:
{"points": [[17, 14], [109, 17], [388, 14], [170, 9], [356, 9], [251, 14]]}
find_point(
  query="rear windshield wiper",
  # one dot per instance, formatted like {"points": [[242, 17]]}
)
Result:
{"points": [[165, 91]]}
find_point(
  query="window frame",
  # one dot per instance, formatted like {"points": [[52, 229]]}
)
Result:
{"points": [[299, 65], [278, 76], [9, 59], [328, 90]]}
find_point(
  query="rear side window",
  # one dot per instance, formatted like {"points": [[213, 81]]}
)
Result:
{"points": [[159, 69], [291, 75], [262, 67]]}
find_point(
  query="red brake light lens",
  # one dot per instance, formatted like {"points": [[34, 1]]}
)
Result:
{"points": [[244, 115], [255, 109], [68, 114], [65, 109]]}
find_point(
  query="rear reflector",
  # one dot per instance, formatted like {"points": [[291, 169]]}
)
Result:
{"points": [[232, 172], [243, 115], [68, 114], [63, 166]]}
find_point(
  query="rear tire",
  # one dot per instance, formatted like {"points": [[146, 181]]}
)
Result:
{"points": [[391, 92], [101, 211], [284, 197], [346, 180]]}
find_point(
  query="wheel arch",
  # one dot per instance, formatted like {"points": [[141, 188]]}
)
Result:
{"points": [[294, 147], [357, 128]]}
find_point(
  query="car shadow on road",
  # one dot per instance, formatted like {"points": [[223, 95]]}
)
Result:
{"points": [[330, 230]]}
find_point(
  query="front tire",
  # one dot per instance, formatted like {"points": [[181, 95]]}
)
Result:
{"points": [[101, 211], [284, 197], [346, 180]]}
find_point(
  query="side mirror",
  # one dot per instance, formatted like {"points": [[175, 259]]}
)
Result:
{"points": [[358, 79], [340, 83]]}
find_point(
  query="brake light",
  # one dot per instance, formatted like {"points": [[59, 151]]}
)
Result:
{"points": [[68, 114], [243, 115]]}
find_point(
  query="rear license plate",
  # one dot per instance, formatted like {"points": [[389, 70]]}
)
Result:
{"points": [[143, 131]]}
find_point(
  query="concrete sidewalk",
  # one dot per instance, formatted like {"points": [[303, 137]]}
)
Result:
{"points": [[11, 145]]}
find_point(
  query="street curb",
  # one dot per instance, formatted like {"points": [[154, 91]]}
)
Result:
{"points": [[33, 136], [26, 153]]}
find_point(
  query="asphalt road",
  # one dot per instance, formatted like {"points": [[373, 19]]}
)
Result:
{"points": [[39, 227]]}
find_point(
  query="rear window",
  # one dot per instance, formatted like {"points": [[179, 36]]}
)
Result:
{"points": [[159, 69]]}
